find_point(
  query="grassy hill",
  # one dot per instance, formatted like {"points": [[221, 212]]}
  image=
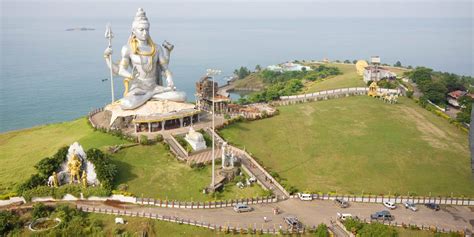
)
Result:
{"points": [[359, 144], [349, 78]]}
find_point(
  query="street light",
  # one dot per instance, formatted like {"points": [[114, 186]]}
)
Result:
{"points": [[211, 73]]}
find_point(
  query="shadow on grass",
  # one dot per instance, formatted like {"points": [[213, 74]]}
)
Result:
{"points": [[124, 172]]}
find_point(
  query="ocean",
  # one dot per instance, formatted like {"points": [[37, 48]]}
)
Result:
{"points": [[50, 75]]}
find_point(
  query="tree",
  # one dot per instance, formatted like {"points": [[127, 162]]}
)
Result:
{"points": [[258, 68], [397, 64], [354, 61], [347, 61], [435, 92], [464, 116]]}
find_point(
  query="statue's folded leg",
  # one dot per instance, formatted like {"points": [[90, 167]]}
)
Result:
{"points": [[135, 99], [177, 96]]}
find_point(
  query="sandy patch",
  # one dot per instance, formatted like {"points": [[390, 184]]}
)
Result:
{"points": [[429, 132]]}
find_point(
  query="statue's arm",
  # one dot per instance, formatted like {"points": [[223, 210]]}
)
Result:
{"points": [[110, 64], [163, 61], [124, 63]]}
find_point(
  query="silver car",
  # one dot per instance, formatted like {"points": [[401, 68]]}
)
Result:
{"points": [[242, 208], [410, 205]]}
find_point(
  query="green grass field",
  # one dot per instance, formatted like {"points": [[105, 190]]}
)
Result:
{"points": [[348, 78], [21, 150], [150, 171], [359, 144], [136, 226]]}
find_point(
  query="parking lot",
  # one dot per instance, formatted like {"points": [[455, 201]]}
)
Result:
{"points": [[312, 213]]}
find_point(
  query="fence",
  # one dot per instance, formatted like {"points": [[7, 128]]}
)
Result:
{"points": [[329, 94], [204, 205], [397, 199], [174, 219], [92, 113]]}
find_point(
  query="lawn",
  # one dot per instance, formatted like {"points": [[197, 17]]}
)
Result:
{"points": [[360, 144], [348, 78], [152, 172], [21, 150], [136, 226]]}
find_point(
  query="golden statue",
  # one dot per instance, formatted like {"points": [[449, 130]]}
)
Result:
{"points": [[55, 180], [84, 179], [74, 168], [373, 90]]}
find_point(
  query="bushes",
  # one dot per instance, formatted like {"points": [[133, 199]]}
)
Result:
{"points": [[184, 143], [34, 181], [372, 229], [322, 231], [8, 222], [59, 193], [40, 210], [106, 171], [7, 196], [45, 168]]}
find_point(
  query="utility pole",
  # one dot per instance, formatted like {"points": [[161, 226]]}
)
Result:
{"points": [[212, 73]]}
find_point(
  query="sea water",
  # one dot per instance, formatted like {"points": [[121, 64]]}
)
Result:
{"points": [[50, 75]]}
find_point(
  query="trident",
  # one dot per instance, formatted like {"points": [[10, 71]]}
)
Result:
{"points": [[109, 35]]}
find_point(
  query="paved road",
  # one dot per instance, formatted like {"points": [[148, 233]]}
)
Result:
{"points": [[311, 213]]}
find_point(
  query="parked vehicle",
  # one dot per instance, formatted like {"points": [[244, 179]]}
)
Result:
{"points": [[293, 223], [345, 216], [305, 196], [389, 205], [382, 215], [242, 208], [432, 206], [341, 202], [410, 205]]}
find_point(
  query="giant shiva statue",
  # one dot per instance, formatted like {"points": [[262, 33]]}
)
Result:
{"points": [[148, 63]]}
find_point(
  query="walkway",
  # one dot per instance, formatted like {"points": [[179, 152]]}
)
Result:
{"points": [[205, 156], [251, 166]]}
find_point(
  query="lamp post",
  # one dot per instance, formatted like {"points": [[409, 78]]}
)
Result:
{"points": [[211, 73]]}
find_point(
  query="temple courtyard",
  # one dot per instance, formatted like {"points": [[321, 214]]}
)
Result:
{"points": [[360, 145]]}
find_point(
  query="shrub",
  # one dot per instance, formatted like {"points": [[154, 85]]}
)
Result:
{"points": [[35, 180], [39, 191], [322, 230], [159, 138], [410, 94], [7, 196], [8, 222], [144, 140], [40, 210], [106, 171]]}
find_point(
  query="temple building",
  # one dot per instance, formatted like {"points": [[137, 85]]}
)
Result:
{"points": [[205, 95], [376, 73]]}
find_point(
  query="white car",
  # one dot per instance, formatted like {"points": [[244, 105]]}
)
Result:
{"points": [[410, 205], [344, 216], [305, 196], [389, 205]]}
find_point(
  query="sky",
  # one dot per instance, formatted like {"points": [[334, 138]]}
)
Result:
{"points": [[241, 8]]}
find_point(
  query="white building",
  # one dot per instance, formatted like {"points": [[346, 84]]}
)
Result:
{"points": [[376, 73], [286, 67]]}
